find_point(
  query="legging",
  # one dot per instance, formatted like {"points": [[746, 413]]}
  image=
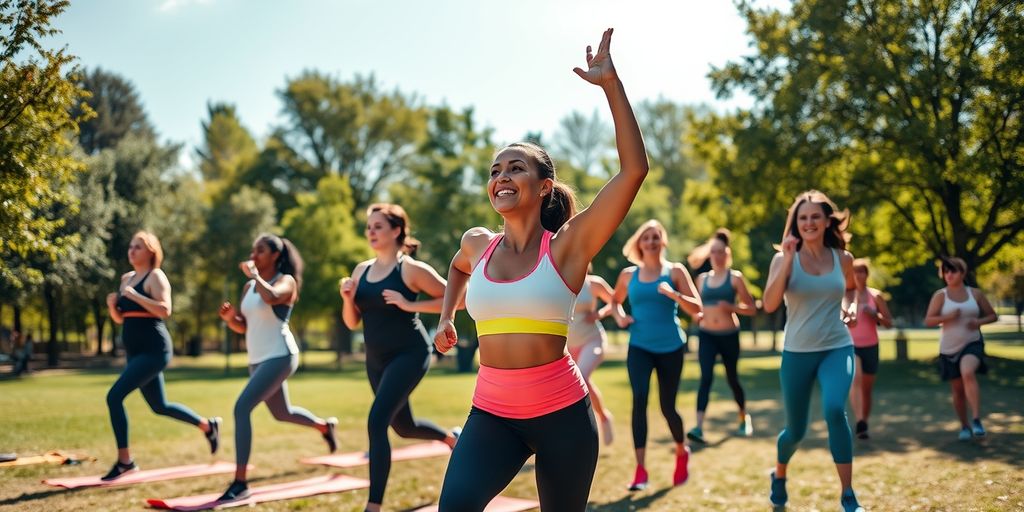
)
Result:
{"points": [[267, 384], [712, 344], [492, 450], [392, 381], [833, 369], [144, 372], [669, 367]]}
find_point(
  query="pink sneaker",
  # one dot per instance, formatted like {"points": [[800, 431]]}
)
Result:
{"points": [[682, 473], [639, 480]]}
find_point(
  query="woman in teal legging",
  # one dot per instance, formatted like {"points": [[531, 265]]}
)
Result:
{"points": [[813, 274]]}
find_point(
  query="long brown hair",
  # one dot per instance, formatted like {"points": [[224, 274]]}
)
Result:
{"points": [[836, 235]]}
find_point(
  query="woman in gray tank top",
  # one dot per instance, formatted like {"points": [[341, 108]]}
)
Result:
{"points": [[813, 274]]}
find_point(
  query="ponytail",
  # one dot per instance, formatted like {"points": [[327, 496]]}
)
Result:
{"points": [[289, 261]]}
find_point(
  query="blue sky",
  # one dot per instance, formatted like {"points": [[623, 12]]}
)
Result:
{"points": [[512, 61]]}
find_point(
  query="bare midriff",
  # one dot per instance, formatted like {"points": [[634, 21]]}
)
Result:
{"points": [[520, 350]]}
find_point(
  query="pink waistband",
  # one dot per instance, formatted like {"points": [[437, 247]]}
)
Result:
{"points": [[524, 393]]}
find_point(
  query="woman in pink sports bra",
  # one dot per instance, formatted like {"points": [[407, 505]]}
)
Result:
{"points": [[872, 311], [520, 286]]}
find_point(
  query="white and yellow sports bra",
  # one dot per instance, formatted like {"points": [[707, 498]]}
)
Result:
{"points": [[539, 302]]}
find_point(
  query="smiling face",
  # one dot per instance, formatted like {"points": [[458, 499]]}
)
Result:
{"points": [[515, 182], [952, 276], [263, 256], [380, 234], [651, 242], [138, 254], [810, 222]]}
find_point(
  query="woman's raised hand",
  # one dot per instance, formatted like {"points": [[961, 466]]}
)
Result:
{"points": [[600, 70]]}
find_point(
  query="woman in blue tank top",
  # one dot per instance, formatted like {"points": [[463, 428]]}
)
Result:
{"points": [[813, 275], [656, 288], [382, 295]]}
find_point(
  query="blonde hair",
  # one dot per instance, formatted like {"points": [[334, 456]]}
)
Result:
{"points": [[631, 249], [152, 244]]}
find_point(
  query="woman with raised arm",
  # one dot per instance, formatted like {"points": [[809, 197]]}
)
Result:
{"points": [[656, 289], [586, 342], [872, 311], [382, 294], [141, 304], [530, 397], [274, 269], [961, 310], [720, 327], [813, 274]]}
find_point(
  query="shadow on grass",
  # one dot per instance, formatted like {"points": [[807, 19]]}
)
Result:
{"points": [[25, 497], [630, 502], [912, 411]]}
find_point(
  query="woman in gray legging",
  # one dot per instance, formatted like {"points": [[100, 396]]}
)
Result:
{"points": [[275, 272]]}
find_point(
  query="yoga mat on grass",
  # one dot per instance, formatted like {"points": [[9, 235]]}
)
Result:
{"points": [[50, 457], [274, 492], [498, 504], [354, 459], [149, 475]]}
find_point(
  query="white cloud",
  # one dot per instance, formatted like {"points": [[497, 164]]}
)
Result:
{"points": [[172, 5]]}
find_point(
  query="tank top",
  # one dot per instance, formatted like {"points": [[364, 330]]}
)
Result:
{"points": [[267, 334], [813, 305], [387, 328], [655, 326], [126, 305], [721, 293], [580, 330], [955, 335], [539, 302], [865, 333]]}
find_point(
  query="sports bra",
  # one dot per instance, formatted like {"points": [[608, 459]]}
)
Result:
{"points": [[539, 302]]}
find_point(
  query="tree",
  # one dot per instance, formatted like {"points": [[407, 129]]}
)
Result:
{"points": [[583, 140], [118, 111], [912, 112], [37, 92], [228, 148]]}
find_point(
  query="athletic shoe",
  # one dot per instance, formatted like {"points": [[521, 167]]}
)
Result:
{"points": [[849, 502], [607, 432], [118, 470], [213, 436], [238, 490], [862, 430], [639, 479], [977, 429], [965, 434], [778, 496], [682, 472], [746, 428], [332, 440], [697, 435]]}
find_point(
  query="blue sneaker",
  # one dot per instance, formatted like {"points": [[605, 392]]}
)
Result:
{"points": [[977, 429], [965, 434], [778, 496], [696, 435], [849, 502]]}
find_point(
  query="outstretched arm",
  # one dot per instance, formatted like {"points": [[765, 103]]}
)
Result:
{"points": [[579, 240]]}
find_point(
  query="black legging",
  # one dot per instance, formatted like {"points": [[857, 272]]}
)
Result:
{"points": [[493, 449], [669, 367], [712, 344], [392, 380], [144, 372]]}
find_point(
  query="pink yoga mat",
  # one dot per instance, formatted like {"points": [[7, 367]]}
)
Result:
{"points": [[151, 475], [286, 491], [353, 459], [498, 504]]}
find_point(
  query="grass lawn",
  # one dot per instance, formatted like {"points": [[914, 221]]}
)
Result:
{"points": [[913, 461]]}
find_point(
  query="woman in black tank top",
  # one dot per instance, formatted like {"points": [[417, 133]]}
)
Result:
{"points": [[382, 294], [142, 310]]}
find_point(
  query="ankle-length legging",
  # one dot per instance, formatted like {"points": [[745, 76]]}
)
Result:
{"points": [[144, 372], [728, 345], [493, 449], [833, 369], [392, 380], [267, 384], [669, 368]]}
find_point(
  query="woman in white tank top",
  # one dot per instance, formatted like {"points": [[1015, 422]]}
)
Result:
{"points": [[961, 311], [586, 342]]}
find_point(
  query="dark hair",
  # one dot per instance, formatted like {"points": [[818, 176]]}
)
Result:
{"points": [[835, 235], [560, 205], [702, 252], [289, 261], [397, 218], [952, 263]]}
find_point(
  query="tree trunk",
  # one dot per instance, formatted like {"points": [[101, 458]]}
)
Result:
{"points": [[17, 319], [101, 322], [52, 351]]}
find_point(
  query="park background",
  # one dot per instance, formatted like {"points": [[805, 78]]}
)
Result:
{"points": [[209, 122]]}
